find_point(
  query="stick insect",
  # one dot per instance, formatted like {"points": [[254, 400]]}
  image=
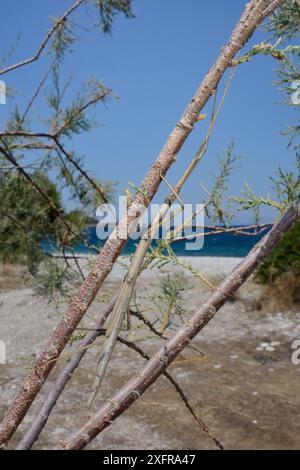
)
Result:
{"points": [[123, 301]]}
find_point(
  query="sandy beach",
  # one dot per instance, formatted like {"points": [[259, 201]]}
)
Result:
{"points": [[245, 388]]}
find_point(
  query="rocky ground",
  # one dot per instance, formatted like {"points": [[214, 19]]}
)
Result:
{"points": [[245, 388]]}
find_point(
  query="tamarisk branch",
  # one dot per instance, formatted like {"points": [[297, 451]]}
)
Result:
{"points": [[156, 366]]}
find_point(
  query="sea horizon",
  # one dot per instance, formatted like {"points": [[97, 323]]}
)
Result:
{"points": [[214, 245]]}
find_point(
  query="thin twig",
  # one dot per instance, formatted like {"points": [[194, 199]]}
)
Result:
{"points": [[158, 363]]}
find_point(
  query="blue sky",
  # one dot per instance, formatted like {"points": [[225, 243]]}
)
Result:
{"points": [[154, 63]]}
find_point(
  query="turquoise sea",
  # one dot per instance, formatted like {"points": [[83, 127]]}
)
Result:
{"points": [[224, 244]]}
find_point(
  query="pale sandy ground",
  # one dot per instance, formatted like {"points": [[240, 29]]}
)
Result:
{"points": [[249, 397]]}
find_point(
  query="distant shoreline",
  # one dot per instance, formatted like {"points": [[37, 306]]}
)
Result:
{"points": [[216, 245]]}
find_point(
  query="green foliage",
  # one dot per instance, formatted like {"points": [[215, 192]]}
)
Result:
{"points": [[140, 189], [28, 218], [54, 278], [62, 41], [285, 24], [250, 201], [172, 290], [281, 270], [169, 299], [268, 49], [71, 120], [288, 79], [9, 53], [215, 208], [15, 123], [108, 10], [286, 185], [94, 199], [288, 73]]}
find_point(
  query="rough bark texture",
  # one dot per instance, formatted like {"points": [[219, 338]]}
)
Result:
{"points": [[254, 13], [160, 361]]}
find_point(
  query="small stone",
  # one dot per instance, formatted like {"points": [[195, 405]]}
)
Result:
{"points": [[254, 421], [233, 356], [275, 343], [217, 366], [270, 349], [254, 393], [264, 345]]}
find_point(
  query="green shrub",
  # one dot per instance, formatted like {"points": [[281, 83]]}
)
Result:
{"points": [[281, 270]]}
